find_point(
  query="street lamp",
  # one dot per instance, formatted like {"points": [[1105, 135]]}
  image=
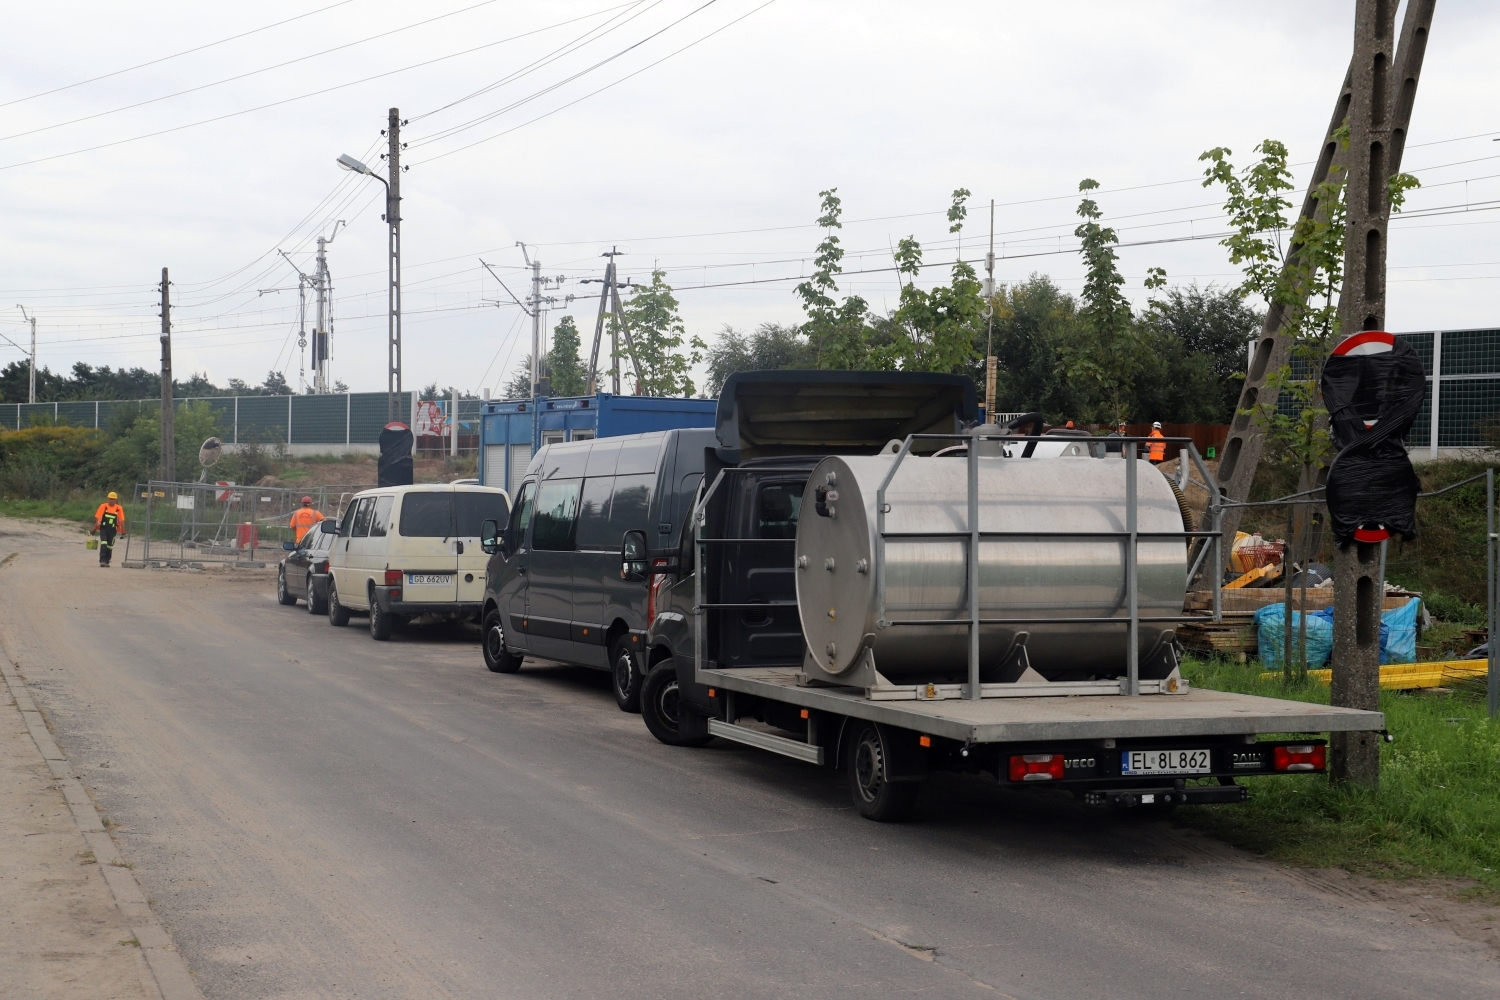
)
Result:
{"points": [[393, 284]]}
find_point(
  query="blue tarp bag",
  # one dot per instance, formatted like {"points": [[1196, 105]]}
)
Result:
{"points": [[1271, 638], [1398, 633]]}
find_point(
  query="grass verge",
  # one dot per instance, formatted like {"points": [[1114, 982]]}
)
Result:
{"points": [[1436, 813], [81, 511]]}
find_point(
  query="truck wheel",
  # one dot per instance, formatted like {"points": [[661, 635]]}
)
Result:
{"points": [[283, 596], [382, 623], [875, 795], [315, 605], [661, 707], [625, 676], [338, 615], [499, 659]]}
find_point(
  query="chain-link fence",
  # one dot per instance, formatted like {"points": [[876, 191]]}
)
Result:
{"points": [[195, 524]]}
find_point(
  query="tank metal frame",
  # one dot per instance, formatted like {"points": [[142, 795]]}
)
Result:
{"points": [[1131, 685]]}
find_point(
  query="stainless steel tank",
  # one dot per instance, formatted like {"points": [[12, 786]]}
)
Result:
{"points": [[927, 578]]}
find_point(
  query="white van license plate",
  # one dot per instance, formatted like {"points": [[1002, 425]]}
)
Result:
{"points": [[1164, 762], [429, 579]]}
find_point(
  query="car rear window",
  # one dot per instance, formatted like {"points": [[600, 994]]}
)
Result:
{"points": [[427, 515], [471, 510]]}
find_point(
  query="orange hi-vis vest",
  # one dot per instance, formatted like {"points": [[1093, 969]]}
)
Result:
{"points": [[303, 518], [110, 508], [1158, 451]]}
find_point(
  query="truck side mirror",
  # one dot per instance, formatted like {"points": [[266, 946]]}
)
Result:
{"points": [[489, 537], [328, 526], [633, 556]]}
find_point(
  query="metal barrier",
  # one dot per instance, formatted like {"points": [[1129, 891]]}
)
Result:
{"points": [[195, 524]]}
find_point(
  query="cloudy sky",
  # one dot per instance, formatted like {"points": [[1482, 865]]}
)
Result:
{"points": [[693, 136]]}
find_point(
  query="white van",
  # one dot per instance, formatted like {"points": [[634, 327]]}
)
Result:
{"points": [[404, 552]]}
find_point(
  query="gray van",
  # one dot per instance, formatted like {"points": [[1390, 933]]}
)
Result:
{"points": [[594, 527]]}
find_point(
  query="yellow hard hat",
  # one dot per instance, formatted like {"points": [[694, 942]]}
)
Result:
{"points": [[113, 495]]}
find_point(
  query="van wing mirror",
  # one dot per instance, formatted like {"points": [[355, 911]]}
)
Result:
{"points": [[328, 526], [289, 546], [633, 563], [489, 537]]}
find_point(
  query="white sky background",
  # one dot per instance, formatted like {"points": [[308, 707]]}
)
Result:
{"points": [[708, 163]]}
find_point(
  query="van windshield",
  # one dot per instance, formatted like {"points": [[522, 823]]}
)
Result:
{"points": [[427, 515]]}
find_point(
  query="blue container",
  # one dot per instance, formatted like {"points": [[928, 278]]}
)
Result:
{"points": [[512, 431]]}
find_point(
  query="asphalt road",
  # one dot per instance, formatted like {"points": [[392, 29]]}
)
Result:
{"points": [[315, 814]]}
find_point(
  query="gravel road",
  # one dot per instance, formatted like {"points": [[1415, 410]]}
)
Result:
{"points": [[315, 814]]}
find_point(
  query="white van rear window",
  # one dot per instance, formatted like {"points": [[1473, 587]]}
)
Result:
{"points": [[427, 515]]}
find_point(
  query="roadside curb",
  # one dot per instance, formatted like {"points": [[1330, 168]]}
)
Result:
{"points": [[167, 967]]}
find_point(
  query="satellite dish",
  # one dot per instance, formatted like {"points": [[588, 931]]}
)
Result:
{"points": [[210, 452]]}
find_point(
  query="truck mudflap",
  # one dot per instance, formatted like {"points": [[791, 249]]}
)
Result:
{"points": [[1202, 795]]}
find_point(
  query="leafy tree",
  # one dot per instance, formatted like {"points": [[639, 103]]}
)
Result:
{"points": [[431, 392], [339, 386], [1209, 324], [275, 385], [771, 347], [1110, 358], [1035, 323], [563, 363], [519, 386], [934, 330], [836, 331], [659, 335]]}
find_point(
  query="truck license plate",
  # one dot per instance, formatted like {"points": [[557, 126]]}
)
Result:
{"points": [[429, 579], [1164, 762]]}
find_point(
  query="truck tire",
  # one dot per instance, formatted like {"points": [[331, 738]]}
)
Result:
{"points": [[499, 659], [338, 615], [875, 795], [625, 675], [661, 707], [283, 596], [315, 604], [382, 622]]}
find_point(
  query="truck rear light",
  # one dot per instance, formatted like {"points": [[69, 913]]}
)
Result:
{"points": [[393, 578], [321, 567], [1036, 767], [1300, 757]]}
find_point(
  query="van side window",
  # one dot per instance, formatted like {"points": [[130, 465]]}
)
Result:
{"points": [[776, 513], [362, 517], [381, 519], [556, 512], [348, 522], [593, 532], [427, 514], [516, 529], [631, 507], [471, 510]]}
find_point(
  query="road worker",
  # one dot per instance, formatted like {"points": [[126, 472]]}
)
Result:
{"points": [[304, 517], [1158, 448], [109, 521]]}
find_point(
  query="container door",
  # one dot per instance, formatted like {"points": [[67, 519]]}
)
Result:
{"points": [[520, 457], [426, 547], [471, 508], [494, 465], [549, 600]]}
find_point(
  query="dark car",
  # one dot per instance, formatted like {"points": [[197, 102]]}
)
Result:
{"points": [[304, 570]]}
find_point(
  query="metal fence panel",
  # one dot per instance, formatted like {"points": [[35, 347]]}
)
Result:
{"points": [[367, 417], [262, 419], [318, 420]]}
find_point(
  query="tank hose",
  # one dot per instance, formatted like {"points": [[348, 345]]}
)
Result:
{"points": [[1182, 505]]}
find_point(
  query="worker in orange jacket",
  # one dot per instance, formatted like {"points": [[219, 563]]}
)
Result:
{"points": [[109, 521], [304, 517], [1157, 448]]}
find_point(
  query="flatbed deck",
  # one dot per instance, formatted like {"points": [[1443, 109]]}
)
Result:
{"points": [[1199, 712]]}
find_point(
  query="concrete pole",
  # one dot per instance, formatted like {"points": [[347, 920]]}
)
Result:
{"points": [[453, 423], [168, 412], [320, 331], [393, 295], [1357, 596], [536, 326]]}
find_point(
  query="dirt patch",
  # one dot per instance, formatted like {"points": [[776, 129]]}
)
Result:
{"points": [[1452, 904]]}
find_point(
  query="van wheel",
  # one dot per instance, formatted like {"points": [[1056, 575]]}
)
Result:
{"points": [[499, 659], [337, 614], [283, 596], [315, 605], [625, 675], [875, 795], [661, 707], [382, 623]]}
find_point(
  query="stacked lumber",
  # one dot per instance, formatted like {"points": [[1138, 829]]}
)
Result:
{"points": [[1228, 637]]}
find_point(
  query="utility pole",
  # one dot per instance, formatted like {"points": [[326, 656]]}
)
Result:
{"points": [[609, 304], [989, 314], [1357, 589], [31, 394], [302, 282], [322, 330], [168, 413], [393, 295], [536, 320]]}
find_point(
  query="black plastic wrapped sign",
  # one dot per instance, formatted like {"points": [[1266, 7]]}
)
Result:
{"points": [[395, 455], [1373, 387]]}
